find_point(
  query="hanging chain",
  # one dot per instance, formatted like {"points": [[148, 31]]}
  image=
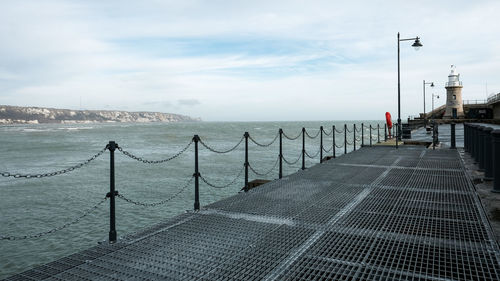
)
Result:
{"points": [[226, 185], [292, 163], [339, 146], [264, 145], [140, 159], [328, 149], [40, 234], [292, 138], [266, 173], [314, 156], [156, 203], [327, 133], [222, 151], [311, 137], [340, 132], [50, 174]]}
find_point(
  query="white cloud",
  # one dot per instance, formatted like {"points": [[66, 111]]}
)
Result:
{"points": [[343, 64]]}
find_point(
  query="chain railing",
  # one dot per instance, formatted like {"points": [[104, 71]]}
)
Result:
{"points": [[56, 173], [219, 151], [264, 145], [291, 138], [263, 174], [290, 162], [349, 139], [223, 185], [312, 137], [143, 160], [55, 229], [145, 204]]}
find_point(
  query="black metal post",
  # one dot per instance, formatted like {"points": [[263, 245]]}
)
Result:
{"points": [[354, 134], [496, 160], [246, 160], [321, 144], [453, 141], [488, 160], [303, 148], [434, 135], [472, 145], [476, 143], [385, 132], [196, 175], [370, 134], [362, 135], [475, 140], [378, 133], [481, 148], [333, 134], [112, 219], [398, 133], [345, 138], [281, 154], [465, 137]]}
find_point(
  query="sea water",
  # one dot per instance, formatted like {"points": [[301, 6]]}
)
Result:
{"points": [[33, 205]]}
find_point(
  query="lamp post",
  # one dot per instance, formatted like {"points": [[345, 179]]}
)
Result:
{"points": [[437, 96], [417, 46], [432, 85]]}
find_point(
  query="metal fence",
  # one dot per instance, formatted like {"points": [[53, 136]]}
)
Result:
{"points": [[344, 137]]}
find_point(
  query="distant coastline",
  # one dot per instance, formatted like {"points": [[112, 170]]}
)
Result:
{"points": [[40, 115]]}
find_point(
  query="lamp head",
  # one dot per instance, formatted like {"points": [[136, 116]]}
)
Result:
{"points": [[417, 44], [432, 84]]}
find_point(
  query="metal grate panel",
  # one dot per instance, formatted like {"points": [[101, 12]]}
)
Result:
{"points": [[413, 216]]}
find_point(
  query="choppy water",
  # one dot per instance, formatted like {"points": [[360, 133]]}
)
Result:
{"points": [[29, 206]]}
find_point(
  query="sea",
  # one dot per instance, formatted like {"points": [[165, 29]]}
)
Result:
{"points": [[68, 209]]}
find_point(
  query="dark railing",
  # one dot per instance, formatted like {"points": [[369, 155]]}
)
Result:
{"points": [[483, 144], [197, 175]]}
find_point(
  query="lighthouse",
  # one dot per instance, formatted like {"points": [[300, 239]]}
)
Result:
{"points": [[454, 104]]}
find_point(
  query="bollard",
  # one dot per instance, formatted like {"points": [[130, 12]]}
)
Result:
{"points": [[333, 135], [471, 141], [481, 148], [112, 193], [246, 160], [476, 143], [321, 144], [378, 133], [466, 135], [496, 160], [345, 138], [453, 141], [281, 154], [362, 135], [354, 136], [488, 160], [196, 175]]}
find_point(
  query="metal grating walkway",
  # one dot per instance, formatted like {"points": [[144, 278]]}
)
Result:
{"points": [[374, 214]]}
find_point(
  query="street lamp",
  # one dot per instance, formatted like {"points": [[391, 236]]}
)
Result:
{"points": [[432, 85], [437, 96], [417, 46]]}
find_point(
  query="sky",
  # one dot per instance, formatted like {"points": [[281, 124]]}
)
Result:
{"points": [[245, 60]]}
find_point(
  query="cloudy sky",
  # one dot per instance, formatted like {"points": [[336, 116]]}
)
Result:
{"points": [[245, 60]]}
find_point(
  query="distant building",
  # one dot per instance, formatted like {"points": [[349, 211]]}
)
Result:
{"points": [[454, 103]]}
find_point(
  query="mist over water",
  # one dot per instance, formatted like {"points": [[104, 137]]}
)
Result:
{"points": [[29, 206]]}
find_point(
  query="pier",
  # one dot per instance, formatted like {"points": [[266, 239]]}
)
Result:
{"points": [[377, 213]]}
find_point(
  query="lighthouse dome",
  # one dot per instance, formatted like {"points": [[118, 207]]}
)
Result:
{"points": [[454, 77]]}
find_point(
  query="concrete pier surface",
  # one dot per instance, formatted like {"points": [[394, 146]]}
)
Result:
{"points": [[378, 213]]}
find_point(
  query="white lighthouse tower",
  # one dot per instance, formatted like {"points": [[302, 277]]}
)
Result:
{"points": [[454, 104]]}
